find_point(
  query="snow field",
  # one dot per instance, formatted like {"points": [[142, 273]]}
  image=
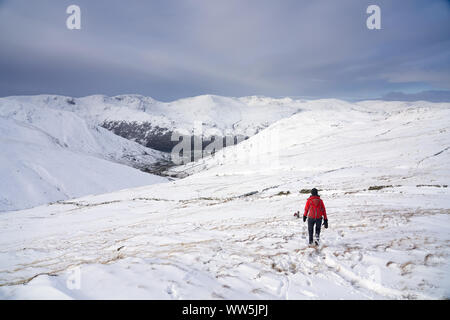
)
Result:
{"points": [[228, 230]]}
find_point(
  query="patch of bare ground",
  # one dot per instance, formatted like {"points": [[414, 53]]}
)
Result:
{"points": [[217, 296], [406, 267], [257, 291]]}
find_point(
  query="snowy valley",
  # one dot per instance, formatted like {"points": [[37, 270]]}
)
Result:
{"points": [[57, 148], [151, 123]]}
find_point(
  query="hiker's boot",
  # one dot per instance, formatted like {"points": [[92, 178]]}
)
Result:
{"points": [[317, 241]]}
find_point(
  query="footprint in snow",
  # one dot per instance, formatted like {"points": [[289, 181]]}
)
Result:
{"points": [[172, 291]]}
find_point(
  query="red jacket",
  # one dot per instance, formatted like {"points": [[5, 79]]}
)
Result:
{"points": [[315, 208]]}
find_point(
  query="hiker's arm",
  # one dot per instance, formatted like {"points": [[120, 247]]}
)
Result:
{"points": [[306, 208], [324, 211]]}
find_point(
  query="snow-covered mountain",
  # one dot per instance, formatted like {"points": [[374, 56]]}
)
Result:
{"points": [[151, 123], [407, 136], [77, 125], [50, 155], [227, 231]]}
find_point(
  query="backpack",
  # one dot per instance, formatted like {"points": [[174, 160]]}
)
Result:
{"points": [[315, 208]]}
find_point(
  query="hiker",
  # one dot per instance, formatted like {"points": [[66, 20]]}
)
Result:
{"points": [[314, 211]]}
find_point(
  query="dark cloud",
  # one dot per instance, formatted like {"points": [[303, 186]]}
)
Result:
{"points": [[175, 48]]}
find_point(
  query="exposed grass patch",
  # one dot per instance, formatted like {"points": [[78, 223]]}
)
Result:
{"points": [[248, 194], [276, 268], [432, 185], [307, 191], [379, 187], [351, 192], [283, 193], [389, 263]]}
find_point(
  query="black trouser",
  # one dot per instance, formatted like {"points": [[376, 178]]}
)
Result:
{"points": [[318, 223]]}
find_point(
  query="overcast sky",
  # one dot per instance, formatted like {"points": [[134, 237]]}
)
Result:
{"points": [[168, 49]]}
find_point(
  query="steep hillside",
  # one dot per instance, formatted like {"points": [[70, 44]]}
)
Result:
{"points": [[49, 155]]}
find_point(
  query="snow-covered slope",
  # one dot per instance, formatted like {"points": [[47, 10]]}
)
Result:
{"points": [[228, 231], [151, 123], [411, 138], [49, 155]]}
